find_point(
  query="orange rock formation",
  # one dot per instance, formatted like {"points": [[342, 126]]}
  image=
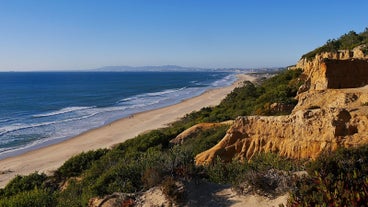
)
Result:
{"points": [[324, 119], [194, 130]]}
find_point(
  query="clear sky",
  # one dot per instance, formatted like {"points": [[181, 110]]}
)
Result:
{"points": [[76, 34]]}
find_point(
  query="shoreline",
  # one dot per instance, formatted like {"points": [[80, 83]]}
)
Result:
{"points": [[48, 158]]}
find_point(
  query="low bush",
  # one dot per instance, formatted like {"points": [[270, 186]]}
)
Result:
{"points": [[267, 161], [173, 190], [339, 178], [77, 164], [204, 140], [24, 183], [73, 195], [33, 198]]}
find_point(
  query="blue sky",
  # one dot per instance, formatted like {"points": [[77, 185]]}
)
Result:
{"points": [[75, 34]]}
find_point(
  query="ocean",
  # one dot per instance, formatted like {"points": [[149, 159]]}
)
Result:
{"points": [[42, 108]]}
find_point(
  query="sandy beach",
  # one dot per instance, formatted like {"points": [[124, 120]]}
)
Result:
{"points": [[49, 158]]}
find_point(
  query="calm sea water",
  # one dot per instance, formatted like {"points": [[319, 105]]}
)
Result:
{"points": [[40, 108]]}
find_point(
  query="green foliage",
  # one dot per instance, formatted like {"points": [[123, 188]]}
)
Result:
{"points": [[72, 195], [226, 173], [280, 89], [33, 198], [237, 171], [345, 42], [267, 161], [77, 164], [267, 174], [336, 179], [143, 142], [24, 183], [204, 140]]}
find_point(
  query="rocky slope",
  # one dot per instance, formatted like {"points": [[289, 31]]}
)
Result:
{"points": [[324, 119]]}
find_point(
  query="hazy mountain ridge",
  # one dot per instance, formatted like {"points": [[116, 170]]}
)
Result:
{"points": [[177, 68]]}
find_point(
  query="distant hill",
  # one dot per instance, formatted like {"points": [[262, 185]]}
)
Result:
{"points": [[151, 68], [176, 68]]}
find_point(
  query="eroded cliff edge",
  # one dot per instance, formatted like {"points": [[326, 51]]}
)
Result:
{"points": [[332, 111]]}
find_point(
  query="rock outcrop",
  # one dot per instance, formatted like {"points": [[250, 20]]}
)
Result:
{"points": [[302, 135], [311, 65], [194, 130], [325, 117], [335, 74], [344, 69]]}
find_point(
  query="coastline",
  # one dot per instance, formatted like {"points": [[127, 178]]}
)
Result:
{"points": [[49, 158]]}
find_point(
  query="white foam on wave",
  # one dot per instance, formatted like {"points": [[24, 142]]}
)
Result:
{"points": [[149, 101], [149, 95], [226, 81], [164, 92], [4, 120], [18, 126], [63, 111], [15, 150]]}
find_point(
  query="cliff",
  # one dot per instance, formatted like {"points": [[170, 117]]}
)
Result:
{"points": [[343, 69], [303, 134], [312, 65], [332, 111]]}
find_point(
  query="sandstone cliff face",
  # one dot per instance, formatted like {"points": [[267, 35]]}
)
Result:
{"points": [[310, 66], [302, 135], [325, 118], [316, 125], [324, 69]]}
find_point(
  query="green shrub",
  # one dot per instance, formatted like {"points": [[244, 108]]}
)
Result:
{"points": [[267, 161], [124, 177], [143, 142], [73, 195], [204, 140], [237, 171], [77, 164], [226, 173], [33, 198], [336, 179], [24, 183]]}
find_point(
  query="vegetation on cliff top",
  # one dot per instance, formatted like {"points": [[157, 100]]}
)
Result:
{"points": [[346, 42]]}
